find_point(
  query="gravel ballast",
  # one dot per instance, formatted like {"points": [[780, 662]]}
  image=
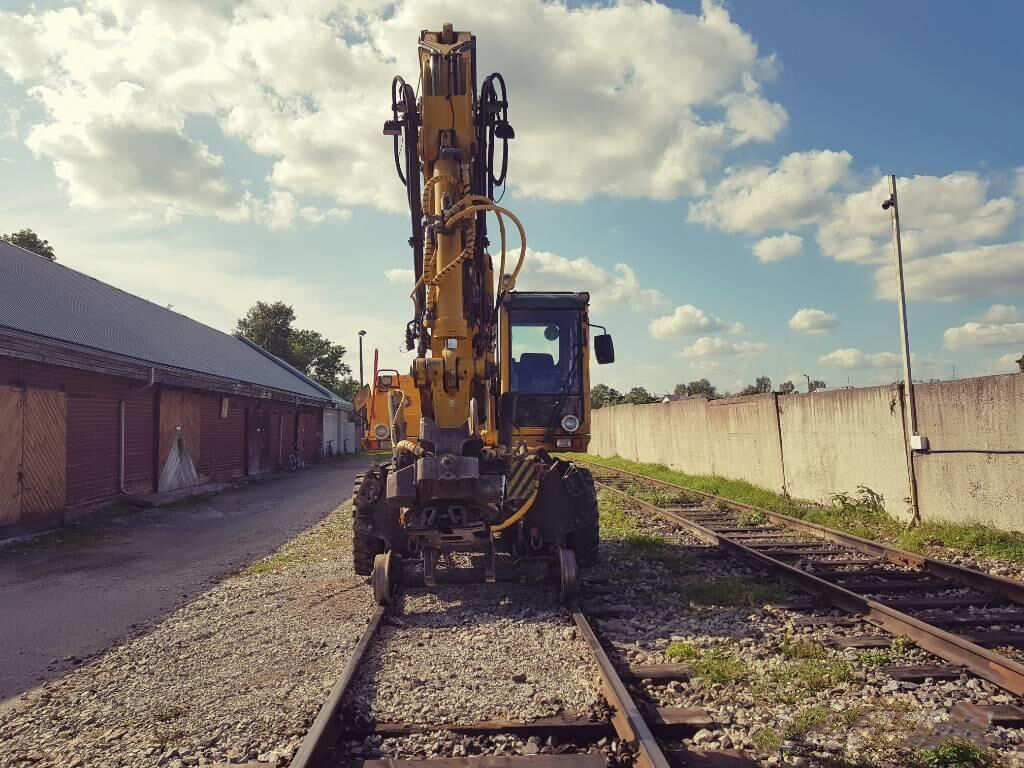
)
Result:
{"points": [[775, 688], [235, 675], [458, 655]]}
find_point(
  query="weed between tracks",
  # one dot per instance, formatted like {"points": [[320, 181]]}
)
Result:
{"points": [[861, 513], [717, 664], [319, 542], [620, 525], [957, 753]]}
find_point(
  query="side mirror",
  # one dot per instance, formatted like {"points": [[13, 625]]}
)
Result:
{"points": [[604, 349]]}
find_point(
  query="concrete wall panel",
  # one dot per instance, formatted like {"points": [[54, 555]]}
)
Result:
{"points": [[963, 420], [985, 413], [744, 437], [835, 441], [972, 487]]}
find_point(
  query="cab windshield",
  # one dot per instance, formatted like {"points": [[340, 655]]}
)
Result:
{"points": [[544, 358]]}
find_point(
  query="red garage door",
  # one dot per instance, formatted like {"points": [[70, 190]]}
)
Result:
{"points": [[222, 452], [93, 447]]}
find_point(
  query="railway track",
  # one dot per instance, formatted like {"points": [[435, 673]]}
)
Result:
{"points": [[641, 734], [958, 614]]}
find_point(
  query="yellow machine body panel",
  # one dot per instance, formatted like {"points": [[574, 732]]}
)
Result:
{"points": [[371, 405]]}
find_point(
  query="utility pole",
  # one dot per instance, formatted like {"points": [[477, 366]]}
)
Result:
{"points": [[809, 390], [361, 334], [910, 408]]}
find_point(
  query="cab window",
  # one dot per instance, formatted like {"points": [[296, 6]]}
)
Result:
{"points": [[544, 351]]}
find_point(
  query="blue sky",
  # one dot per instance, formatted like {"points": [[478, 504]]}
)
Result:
{"points": [[206, 155]]}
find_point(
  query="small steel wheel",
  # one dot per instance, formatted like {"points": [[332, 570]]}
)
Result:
{"points": [[384, 578], [566, 575]]}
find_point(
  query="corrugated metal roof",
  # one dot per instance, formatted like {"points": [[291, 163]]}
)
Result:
{"points": [[45, 298]]}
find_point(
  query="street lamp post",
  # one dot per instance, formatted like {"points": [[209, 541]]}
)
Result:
{"points": [[892, 205], [361, 334]]}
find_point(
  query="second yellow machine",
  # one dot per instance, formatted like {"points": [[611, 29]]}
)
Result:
{"points": [[503, 375]]}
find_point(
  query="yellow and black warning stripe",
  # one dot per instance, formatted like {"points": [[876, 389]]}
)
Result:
{"points": [[520, 480]]}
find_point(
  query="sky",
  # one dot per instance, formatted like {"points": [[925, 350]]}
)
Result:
{"points": [[711, 172]]}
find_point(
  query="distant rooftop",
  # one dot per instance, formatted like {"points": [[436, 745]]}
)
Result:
{"points": [[45, 298]]}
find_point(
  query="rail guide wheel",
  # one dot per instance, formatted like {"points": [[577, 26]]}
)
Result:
{"points": [[567, 573], [384, 578]]}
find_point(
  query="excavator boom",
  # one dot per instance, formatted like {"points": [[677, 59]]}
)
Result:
{"points": [[502, 375]]}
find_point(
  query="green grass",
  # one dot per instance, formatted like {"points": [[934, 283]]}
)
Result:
{"points": [[880, 657], [861, 513], [805, 721], [797, 679], [957, 753], [732, 592], [767, 739], [802, 649], [618, 524], [716, 664], [319, 542]]}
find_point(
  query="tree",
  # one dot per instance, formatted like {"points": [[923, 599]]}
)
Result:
{"points": [[1020, 363], [761, 385], [639, 396], [30, 241], [787, 388], [602, 395], [702, 387], [817, 384], [681, 390], [319, 358], [270, 326]]}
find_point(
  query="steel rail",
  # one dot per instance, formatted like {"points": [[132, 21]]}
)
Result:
{"points": [[629, 724], [1009, 588], [323, 734], [984, 663]]}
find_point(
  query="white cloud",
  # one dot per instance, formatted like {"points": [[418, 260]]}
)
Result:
{"points": [[400, 276], [315, 215], [685, 319], [787, 196], [715, 346], [936, 212], [850, 357], [778, 247], [983, 334], [754, 118], [1000, 313], [983, 270], [307, 88], [547, 271], [1009, 361], [813, 321]]}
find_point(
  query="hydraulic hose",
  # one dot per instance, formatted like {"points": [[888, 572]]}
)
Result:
{"points": [[520, 513]]}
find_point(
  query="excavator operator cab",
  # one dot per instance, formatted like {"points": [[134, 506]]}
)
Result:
{"points": [[544, 363]]}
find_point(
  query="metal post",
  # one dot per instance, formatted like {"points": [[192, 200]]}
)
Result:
{"points": [[808, 383], [892, 205], [361, 334]]}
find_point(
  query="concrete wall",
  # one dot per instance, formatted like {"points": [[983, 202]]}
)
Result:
{"points": [[835, 441], [813, 446], [975, 465], [744, 436]]}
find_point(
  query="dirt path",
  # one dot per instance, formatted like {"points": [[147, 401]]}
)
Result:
{"points": [[68, 598]]}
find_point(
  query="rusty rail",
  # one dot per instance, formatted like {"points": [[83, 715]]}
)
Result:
{"points": [[629, 724], [1004, 672], [324, 732]]}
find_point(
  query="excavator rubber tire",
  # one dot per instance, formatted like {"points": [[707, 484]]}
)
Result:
{"points": [[586, 538], [364, 546]]}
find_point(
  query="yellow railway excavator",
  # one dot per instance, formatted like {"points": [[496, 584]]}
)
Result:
{"points": [[503, 375]]}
